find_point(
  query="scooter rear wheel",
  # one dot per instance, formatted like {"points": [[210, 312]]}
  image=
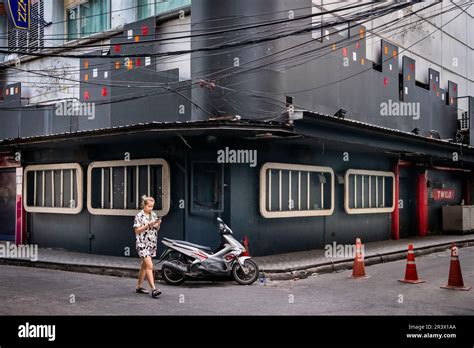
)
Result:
{"points": [[241, 277], [171, 277]]}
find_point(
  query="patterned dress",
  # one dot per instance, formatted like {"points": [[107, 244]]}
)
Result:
{"points": [[146, 241]]}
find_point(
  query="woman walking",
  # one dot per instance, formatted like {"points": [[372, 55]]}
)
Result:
{"points": [[146, 227]]}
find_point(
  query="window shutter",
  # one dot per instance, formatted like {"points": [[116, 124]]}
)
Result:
{"points": [[32, 40]]}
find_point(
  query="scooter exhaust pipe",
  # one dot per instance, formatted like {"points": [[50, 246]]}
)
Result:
{"points": [[182, 270]]}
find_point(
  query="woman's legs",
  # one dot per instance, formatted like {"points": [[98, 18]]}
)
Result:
{"points": [[149, 271], [141, 275]]}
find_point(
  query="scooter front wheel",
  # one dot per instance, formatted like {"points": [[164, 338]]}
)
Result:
{"points": [[248, 276]]}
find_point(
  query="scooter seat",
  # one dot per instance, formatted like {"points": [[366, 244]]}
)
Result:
{"points": [[190, 244]]}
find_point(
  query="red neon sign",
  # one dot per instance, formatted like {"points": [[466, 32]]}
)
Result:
{"points": [[443, 194]]}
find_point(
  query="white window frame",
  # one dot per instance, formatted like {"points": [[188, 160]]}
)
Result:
{"points": [[132, 163], [77, 4], [294, 213], [153, 7], [54, 210], [371, 210], [66, 22]]}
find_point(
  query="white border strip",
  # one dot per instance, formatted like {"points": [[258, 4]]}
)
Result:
{"points": [[368, 210], [131, 163], [54, 210], [294, 213]]}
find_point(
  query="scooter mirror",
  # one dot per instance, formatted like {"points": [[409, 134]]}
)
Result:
{"points": [[220, 220]]}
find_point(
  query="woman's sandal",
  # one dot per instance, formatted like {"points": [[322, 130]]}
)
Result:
{"points": [[142, 290], [155, 293]]}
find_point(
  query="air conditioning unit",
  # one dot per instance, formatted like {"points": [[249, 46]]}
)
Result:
{"points": [[464, 121]]}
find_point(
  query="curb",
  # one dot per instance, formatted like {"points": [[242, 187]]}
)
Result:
{"points": [[80, 268], [342, 265], [91, 269]]}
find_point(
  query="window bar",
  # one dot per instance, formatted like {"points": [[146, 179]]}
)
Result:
{"points": [[308, 190], [124, 187], [279, 189], [376, 191], [370, 192], [322, 193], [289, 190], [270, 190], [61, 188], [383, 191], [355, 191], [43, 186], [299, 190], [72, 190], [52, 188], [34, 189], [111, 187], [102, 188], [149, 178], [137, 171], [363, 203]]}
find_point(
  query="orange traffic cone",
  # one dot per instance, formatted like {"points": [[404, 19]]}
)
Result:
{"points": [[411, 276], [245, 242], [455, 281], [359, 268]]}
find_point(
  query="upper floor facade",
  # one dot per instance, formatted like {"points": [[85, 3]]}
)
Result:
{"points": [[313, 55]]}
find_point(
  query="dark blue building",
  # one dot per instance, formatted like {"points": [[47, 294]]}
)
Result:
{"points": [[367, 151]]}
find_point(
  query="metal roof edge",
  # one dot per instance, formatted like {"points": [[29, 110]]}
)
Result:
{"points": [[311, 115]]}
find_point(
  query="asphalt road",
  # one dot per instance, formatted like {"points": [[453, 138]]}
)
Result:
{"points": [[34, 291]]}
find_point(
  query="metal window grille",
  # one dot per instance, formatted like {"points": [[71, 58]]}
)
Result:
{"points": [[369, 191], [53, 188], [116, 187], [290, 190]]}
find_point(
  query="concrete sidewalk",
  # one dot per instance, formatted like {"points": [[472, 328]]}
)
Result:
{"points": [[305, 263], [275, 267]]}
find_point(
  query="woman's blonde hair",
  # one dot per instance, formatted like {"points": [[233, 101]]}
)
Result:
{"points": [[146, 200]]}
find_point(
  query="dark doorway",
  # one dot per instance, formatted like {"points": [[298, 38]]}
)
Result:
{"points": [[206, 191], [7, 204], [407, 203]]}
